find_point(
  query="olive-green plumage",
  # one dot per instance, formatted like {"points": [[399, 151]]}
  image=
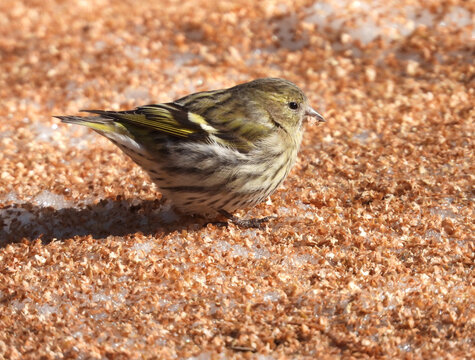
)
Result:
{"points": [[213, 151]]}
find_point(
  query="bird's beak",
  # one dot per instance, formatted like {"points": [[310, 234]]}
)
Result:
{"points": [[316, 115]]}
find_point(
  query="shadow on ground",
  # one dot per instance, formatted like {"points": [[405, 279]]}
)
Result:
{"points": [[26, 221]]}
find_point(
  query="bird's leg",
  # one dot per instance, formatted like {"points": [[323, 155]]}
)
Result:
{"points": [[245, 223]]}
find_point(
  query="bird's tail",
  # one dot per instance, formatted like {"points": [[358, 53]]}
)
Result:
{"points": [[98, 123]]}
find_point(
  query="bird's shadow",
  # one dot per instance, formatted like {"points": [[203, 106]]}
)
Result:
{"points": [[27, 221]]}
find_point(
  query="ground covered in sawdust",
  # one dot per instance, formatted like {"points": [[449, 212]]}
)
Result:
{"points": [[372, 250]]}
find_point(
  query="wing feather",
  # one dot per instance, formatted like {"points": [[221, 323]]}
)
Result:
{"points": [[170, 118], [212, 116]]}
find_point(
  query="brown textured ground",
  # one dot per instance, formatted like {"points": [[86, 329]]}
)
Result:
{"points": [[372, 254]]}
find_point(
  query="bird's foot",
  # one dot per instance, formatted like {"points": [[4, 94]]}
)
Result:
{"points": [[244, 223]]}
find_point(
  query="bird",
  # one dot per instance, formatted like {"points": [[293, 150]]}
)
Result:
{"points": [[213, 152]]}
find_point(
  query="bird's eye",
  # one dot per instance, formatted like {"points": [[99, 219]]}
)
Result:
{"points": [[293, 105]]}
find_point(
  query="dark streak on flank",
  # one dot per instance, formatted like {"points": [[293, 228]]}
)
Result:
{"points": [[189, 170], [284, 164], [212, 190], [211, 203]]}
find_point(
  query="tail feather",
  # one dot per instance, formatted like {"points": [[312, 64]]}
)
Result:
{"points": [[69, 119], [98, 123], [113, 130], [103, 114]]}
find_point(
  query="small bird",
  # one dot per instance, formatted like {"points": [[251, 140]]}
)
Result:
{"points": [[213, 152]]}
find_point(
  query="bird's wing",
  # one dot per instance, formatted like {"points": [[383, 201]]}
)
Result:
{"points": [[186, 121], [236, 119], [171, 119]]}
